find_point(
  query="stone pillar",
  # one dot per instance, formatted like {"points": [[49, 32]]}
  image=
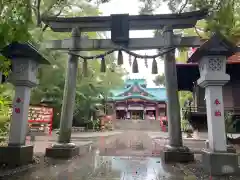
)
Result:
{"points": [[173, 107], [64, 148], [174, 151], [215, 117], [23, 78], [18, 128]]}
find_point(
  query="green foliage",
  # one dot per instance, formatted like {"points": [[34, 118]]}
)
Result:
{"points": [[4, 127], [159, 80], [224, 14], [14, 23], [23, 23]]}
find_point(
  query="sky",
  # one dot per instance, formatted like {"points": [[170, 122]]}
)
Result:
{"points": [[132, 7]]}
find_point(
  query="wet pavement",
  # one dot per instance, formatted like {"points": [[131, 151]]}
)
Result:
{"points": [[131, 155]]}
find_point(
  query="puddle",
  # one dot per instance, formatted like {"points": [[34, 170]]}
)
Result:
{"points": [[133, 168], [97, 167]]}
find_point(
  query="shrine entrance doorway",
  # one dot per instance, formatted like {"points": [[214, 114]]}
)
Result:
{"points": [[136, 114]]}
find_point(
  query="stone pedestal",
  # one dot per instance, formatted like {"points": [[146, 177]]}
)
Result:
{"points": [[177, 154], [219, 163], [62, 151], [13, 156]]}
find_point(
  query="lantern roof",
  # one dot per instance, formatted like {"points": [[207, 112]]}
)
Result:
{"points": [[23, 50], [217, 45]]}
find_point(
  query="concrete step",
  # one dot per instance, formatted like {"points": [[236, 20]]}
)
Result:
{"points": [[137, 125]]}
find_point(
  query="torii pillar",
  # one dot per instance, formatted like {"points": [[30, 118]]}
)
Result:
{"points": [[174, 151], [212, 57], [64, 148]]}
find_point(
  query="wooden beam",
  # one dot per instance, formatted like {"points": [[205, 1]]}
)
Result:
{"points": [[136, 22], [134, 43]]}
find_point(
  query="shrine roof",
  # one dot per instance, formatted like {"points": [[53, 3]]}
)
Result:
{"points": [[134, 81], [135, 89]]}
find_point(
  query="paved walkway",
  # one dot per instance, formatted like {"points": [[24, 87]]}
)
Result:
{"points": [[79, 138], [132, 155]]}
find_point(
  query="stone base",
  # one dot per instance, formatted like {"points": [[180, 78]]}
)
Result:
{"points": [[230, 148], [177, 155], [62, 151], [13, 156], [220, 163]]}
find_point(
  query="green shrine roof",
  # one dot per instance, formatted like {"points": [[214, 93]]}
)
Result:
{"points": [[136, 89]]}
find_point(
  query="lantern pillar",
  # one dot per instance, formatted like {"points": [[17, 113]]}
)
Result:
{"points": [[212, 56], [25, 61], [213, 78]]}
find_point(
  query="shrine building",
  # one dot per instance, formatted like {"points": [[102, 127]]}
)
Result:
{"points": [[135, 101]]}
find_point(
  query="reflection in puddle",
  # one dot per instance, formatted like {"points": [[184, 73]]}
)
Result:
{"points": [[131, 168]]}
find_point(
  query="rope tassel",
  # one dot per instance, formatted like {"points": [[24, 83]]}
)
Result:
{"points": [[120, 58], [85, 68], [129, 60], [135, 66], [103, 65], [154, 67], [146, 62]]}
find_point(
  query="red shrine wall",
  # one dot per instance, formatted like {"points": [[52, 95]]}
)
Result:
{"points": [[128, 109]]}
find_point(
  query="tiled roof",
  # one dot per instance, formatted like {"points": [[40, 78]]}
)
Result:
{"points": [[154, 94]]}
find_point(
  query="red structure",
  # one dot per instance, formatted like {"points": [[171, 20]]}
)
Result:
{"points": [[164, 123], [40, 117]]}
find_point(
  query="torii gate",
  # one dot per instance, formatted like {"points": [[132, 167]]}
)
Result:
{"points": [[119, 25]]}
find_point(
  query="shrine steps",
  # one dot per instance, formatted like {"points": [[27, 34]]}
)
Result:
{"points": [[144, 125]]}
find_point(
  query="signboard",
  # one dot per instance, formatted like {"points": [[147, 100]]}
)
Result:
{"points": [[40, 114], [162, 105], [150, 108], [120, 108], [135, 108]]}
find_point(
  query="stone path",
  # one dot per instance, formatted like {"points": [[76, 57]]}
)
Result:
{"points": [[81, 139], [131, 155]]}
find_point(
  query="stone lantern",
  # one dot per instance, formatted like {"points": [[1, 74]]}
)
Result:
{"points": [[212, 57], [25, 62]]}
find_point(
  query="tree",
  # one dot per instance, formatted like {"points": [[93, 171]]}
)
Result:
{"points": [[88, 88], [159, 80], [224, 14], [21, 20]]}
